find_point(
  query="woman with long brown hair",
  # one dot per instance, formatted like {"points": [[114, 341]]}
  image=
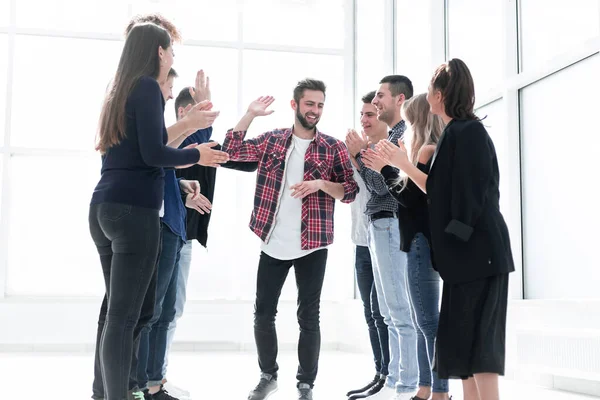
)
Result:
{"points": [[124, 210], [469, 236]]}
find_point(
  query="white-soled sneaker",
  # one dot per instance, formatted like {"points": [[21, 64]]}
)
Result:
{"points": [[177, 392]]}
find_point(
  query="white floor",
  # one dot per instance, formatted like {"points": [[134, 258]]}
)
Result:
{"points": [[218, 375]]}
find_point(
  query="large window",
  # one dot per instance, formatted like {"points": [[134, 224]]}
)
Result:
{"points": [[549, 28], [560, 206], [476, 35], [65, 55]]}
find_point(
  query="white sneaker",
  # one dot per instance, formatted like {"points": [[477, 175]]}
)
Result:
{"points": [[177, 392], [386, 393]]}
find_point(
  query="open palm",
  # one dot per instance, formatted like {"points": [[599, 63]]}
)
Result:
{"points": [[259, 106]]}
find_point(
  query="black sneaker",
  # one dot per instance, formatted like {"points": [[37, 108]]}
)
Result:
{"points": [[367, 387], [162, 394], [304, 392], [266, 387], [376, 388]]}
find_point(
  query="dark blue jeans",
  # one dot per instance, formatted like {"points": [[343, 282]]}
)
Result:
{"points": [[153, 340], [127, 239], [424, 286], [378, 330]]}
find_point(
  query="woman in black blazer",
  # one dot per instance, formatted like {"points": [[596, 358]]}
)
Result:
{"points": [[470, 240]]}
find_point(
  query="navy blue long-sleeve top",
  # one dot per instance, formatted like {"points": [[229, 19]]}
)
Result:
{"points": [[132, 171]]}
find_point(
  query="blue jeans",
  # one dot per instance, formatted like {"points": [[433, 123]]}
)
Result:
{"points": [[391, 281], [424, 286], [153, 341], [378, 331], [185, 261]]}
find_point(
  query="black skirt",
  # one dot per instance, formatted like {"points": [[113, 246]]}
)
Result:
{"points": [[471, 336]]}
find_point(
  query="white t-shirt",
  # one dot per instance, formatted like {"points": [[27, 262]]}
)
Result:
{"points": [[360, 221], [285, 240]]}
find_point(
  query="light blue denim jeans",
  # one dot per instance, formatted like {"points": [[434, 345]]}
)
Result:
{"points": [[185, 261], [424, 287], [391, 281]]}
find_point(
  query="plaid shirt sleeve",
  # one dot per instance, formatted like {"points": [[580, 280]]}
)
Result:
{"points": [[244, 150], [343, 173]]}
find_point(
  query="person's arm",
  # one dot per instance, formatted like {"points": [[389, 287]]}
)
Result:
{"points": [[342, 186], [149, 120], [472, 171], [244, 166], [177, 132]]}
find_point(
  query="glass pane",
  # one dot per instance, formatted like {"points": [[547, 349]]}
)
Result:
{"points": [[476, 36], [370, 46], [76, 90], [276, 22], [414, 55], [560, 204], [4, 12], [549, 28], [221, 66], [494, 122], [189, 16], [106, 16], [3, 72], [49, 235]]}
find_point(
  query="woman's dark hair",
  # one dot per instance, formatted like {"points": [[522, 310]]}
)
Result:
{"points": [[453, 79], [138, 58]]}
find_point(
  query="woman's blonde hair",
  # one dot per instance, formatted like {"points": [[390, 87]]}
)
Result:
{"points": [[423, 128]]}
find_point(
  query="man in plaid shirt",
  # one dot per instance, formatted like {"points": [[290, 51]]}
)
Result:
{"points": [[301, 172]]}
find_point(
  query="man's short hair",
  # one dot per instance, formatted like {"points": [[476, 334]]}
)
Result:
{"points": [[183, 99], [368, 98], [157, 19], [399, 84], [308, 84]]}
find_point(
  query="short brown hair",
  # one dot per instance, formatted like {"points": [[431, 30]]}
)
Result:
{"points": [[399, 84], [453, 79], [368, 98], [308, 84], [157, 19]]}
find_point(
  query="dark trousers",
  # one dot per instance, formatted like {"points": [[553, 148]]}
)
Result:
{"points": [[127, 239], [272, 273], [378, 330], [153, 340]]}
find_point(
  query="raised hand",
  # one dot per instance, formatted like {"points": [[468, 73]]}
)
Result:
{"points": [[210, 157], [201, 116], [259, 106], [200, 203], [201, 90], [395, 156]]}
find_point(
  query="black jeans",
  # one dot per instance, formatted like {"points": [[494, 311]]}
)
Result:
{"points": [[127, 239], [378, 330], [272, 273]]}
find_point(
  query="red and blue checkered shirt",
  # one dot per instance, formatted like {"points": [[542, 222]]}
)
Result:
{"points": [[326, 158]]}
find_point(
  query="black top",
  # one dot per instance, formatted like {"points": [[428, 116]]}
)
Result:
{"points": [[412, 213], [197, 224], [469, 237], [132, 171]]}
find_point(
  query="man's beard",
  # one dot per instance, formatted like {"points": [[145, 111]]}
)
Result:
{"points": [[304, 122]]}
